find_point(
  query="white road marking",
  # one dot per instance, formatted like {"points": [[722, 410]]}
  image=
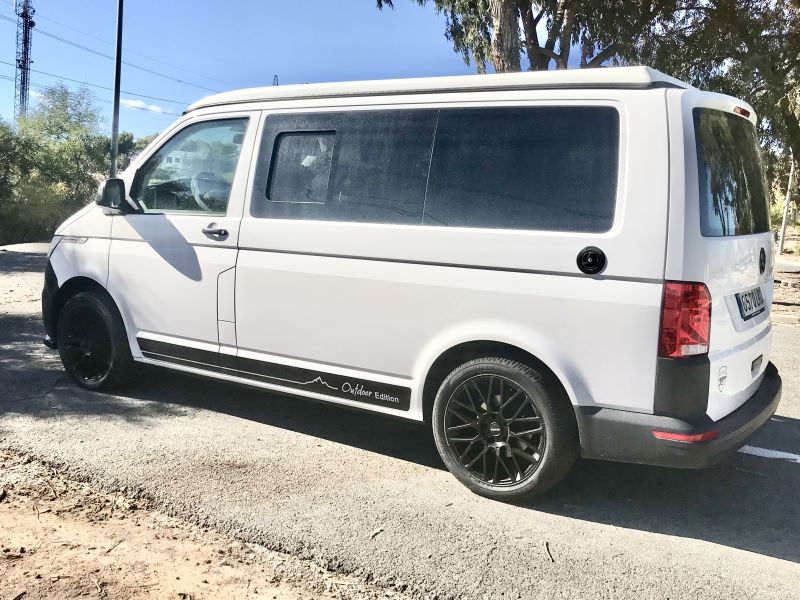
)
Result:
{"points": [[766, 453]]}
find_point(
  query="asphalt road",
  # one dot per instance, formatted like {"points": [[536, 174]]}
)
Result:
{"points": [[317, 481]]}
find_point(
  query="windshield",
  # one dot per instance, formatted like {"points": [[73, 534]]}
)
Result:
{"points": [[733, 196]]}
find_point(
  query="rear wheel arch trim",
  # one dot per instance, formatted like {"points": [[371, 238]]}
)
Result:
{"points": [[437, 369]]}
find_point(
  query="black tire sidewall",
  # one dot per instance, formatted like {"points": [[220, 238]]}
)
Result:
{"points": [[560, 448], [121, 359]]}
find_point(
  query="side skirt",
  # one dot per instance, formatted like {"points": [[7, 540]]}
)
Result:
{"points": [[278, 377]]}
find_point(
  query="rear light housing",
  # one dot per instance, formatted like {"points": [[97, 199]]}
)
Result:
{"points": [[685, 320]]}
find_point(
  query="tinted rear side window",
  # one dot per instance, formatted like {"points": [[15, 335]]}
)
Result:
{"points": [[543, 168], [366, 167], [733, 195]]}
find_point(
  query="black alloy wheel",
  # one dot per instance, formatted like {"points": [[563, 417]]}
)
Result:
{"points": [[87, 346], [92, 341], [495, 429], [503, 429]]}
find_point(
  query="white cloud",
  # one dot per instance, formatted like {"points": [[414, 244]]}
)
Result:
{"points": [[142, 105]]}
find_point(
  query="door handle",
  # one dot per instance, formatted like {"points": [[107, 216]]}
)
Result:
{"points": [[212, 230]]}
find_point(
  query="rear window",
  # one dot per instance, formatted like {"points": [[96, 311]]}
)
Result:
{"points": [[733, 195]]}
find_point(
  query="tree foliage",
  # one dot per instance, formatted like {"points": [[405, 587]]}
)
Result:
{"points": [[51, 163], [749, 49]]}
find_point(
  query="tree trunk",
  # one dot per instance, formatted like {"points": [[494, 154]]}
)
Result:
{"points": [[505, 36], [565, 39]]}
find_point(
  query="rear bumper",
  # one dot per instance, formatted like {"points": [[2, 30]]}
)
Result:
{"points": [[618, 435]]}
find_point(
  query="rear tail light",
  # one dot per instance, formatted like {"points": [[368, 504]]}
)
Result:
{"points": [[685, 320]]}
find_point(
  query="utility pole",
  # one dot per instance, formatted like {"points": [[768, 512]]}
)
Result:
{"points": [[117, 74], [25, 24], [786, 204]]}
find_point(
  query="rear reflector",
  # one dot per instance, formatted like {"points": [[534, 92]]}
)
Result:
{"points": [[706, 436], [741, 111], [685, 320]]}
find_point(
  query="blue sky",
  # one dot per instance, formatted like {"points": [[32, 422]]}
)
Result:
{"points": [[220, 46]]}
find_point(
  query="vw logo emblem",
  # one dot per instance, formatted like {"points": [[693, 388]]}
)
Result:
{"points": [[762, 261]]}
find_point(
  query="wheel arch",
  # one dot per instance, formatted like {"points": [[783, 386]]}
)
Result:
{"points": [[459, 353], [69, 289]]}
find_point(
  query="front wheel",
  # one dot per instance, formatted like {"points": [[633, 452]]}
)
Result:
{"points": [[502, 430], [92, 342]]}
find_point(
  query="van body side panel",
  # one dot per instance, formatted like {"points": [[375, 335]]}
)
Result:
{"points": [[728, 265], [389, 299], [394, 317], [85, 251]]}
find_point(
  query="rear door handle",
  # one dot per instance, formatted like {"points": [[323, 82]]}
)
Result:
{"points": [[216, 232]]}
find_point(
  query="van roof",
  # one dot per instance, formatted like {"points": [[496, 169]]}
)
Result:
{"points": [[611, 77]]}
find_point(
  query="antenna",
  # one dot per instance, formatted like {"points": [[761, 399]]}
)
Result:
{"points": [[25, 24]]}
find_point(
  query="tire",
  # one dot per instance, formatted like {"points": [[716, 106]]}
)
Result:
{"points": [[92, 342], [495, 450]]}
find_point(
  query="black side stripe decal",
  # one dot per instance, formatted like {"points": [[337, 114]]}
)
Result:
{"points": [[337, 386]]}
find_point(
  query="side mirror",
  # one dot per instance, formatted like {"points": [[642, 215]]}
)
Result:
{"points": [[111, 194]]}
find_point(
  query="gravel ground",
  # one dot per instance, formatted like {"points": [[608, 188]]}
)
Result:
{"points": [[64, 539], [319, 482]]}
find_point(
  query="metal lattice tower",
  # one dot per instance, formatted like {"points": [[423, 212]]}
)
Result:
{"points": [[24, 10]]}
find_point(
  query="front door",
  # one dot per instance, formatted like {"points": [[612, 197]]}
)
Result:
{"points": [[171, 267]]}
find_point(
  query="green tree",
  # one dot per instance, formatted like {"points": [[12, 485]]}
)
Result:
{"points": [[50, 164], [749, 49]]}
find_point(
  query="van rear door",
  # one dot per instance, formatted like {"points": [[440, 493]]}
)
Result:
{"points": [[720, 236]]}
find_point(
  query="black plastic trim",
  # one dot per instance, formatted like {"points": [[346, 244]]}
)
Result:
{"points": [[48, 302], [329, 384], [682, 386], [609, 434]]}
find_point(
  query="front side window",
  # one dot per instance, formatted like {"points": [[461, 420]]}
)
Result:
{"points": [[732, 189], [192, 172]]}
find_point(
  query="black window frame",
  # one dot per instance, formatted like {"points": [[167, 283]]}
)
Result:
{"points": [[268, 147]]}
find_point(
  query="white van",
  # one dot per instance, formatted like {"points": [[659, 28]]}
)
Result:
{"points": [[540, 265]]}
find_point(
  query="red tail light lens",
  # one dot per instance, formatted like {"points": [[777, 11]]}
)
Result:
{"points": [[685, 320]]}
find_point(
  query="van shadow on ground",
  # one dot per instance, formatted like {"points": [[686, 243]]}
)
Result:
{"points": [[747, 502]]}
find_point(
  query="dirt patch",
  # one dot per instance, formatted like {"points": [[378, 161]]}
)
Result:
{"points": [[64, 539]]}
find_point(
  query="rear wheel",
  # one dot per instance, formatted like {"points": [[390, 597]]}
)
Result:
{"points": [[92, 342], [502, 430]]}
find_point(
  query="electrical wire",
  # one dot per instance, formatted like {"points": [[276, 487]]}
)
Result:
{"points": [[102, 87], [104, 55], [104, 41]]}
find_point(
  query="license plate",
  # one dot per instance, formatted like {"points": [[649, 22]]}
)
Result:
{"points": [[751, 303]]}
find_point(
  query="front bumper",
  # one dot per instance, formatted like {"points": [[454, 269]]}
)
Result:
{"points": [[48, 305], [618, 435]]}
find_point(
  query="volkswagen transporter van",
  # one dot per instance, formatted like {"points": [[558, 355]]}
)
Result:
{"points": [[540, 265]]}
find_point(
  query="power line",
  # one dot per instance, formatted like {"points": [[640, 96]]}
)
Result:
{"points": [[102, 87], [104, 55], [129, 51]]}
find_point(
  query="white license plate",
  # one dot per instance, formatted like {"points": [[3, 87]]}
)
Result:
{"points": [[751, 303]]}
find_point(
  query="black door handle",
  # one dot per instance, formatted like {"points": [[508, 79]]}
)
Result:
{"points": [[213, 231]]}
